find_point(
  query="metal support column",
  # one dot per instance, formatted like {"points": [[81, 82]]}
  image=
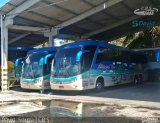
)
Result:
{"points": [[52, 34], [4, 55], [51, 41]]}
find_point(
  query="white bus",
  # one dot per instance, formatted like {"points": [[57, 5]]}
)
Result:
{"points": [[93, 64], [36, 69]]}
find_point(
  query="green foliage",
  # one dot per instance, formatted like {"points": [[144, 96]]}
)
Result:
{"points": [[118, 42], [147, 38]]}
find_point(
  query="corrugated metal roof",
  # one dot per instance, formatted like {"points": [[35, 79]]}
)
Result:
{"points": [[56, 14]]}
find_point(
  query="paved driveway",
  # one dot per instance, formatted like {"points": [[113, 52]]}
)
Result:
{"points": [[149, 91]]}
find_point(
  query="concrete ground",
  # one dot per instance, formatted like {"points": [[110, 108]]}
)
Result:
{"points": [[144, 94], [140, 100], [149, 91]]}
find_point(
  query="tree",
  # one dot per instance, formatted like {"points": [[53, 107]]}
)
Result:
{"points": [[147, 38]]}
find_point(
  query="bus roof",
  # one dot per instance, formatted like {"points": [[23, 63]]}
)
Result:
{"points": [[41, 50], [90, 42], [20, 48]]}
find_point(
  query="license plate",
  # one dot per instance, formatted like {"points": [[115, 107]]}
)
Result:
{"points": [[61, 86]]}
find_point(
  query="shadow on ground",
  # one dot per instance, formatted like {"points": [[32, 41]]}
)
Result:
{"points": [[148, 91]]}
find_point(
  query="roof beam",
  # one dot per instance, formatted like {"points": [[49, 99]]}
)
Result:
{"points": [[23, 7], [67, 36], [58, 7], [90, 12], [18, 10], [90, 4], [71, 12], [18, 38], [29, 28], [28, 22], [84, 15], [44, 16], [110, 26]]}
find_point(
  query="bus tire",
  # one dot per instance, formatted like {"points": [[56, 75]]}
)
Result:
{"points": [[100, 84], [136, 80]]}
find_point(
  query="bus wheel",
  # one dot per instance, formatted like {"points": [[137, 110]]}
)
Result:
{"points": [[100, 84], [136, 80]]}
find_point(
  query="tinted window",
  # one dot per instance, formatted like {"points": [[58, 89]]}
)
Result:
{"points": [[107, 54], [115, 55], [125, 56], [87, 58], [104, 54], [68, 52], [138, 58]]}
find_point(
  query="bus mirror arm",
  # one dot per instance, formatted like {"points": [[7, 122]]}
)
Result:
{"points": [[80, 53], [19, 61], [47, 57]]}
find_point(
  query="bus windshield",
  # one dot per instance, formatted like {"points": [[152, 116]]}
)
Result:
{"points": [[32, 68], [65, 64]]}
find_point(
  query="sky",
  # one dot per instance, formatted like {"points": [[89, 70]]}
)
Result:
{"points": [[2, 2]]}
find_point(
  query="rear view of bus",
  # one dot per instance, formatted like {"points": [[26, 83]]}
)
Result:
{"points": [[93, 64], [36, 69], [153, 64]]}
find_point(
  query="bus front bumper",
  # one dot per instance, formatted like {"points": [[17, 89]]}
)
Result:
{"points": [[34, 86], [31, 86], [69, 87]]}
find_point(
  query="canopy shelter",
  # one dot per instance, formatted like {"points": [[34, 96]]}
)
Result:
{"points": [[31, 22]]}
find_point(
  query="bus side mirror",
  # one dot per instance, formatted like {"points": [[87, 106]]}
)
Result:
{"points": [[41, 61], [19, 61], [80, 53], [52, 64], [44, 59], [47, 57]]}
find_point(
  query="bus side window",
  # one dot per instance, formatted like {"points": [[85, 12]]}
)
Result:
{"points": [[104, 54], [138, 58], [117, 56], [101, 56], [113, 55], [125, 56]]}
